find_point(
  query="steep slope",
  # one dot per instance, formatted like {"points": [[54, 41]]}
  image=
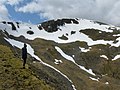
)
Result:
{"points": [[72, 53], [13, 77], [49, 79]]}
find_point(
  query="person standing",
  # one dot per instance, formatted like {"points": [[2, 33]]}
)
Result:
{"points": [[24, 55]]}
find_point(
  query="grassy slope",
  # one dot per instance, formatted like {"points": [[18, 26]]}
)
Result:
{"points": [[48, 75], [13, 77], [46, 51]]}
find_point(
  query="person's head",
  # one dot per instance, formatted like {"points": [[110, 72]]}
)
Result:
{"points": [[25, 45]]}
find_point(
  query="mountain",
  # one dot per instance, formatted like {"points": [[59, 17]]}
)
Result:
{"points": [[66, 54]]}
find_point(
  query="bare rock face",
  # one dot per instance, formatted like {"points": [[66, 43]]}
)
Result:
{"points": [[53, 26], [30, 32], [13, 26]]}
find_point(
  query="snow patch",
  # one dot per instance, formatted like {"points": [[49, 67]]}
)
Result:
{"points": [[20, 45], [83, 49], [72, 60], [87, 70], [94, 79], [74, 87], [73, 56], [107, 83], [116, 57], [34, 61], [104, 75], [58, 61], [116, 44], [104, 56], [116, 35], [64, 55], [100, 32]]}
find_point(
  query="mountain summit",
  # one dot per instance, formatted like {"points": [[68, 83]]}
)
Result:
{"points": [[68, 54]]}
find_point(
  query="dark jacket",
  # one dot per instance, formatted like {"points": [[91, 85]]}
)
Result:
{"points": [[24, 53]]}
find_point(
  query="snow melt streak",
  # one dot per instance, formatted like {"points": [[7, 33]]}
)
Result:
{"points": [[20, 44], [72, 60], [116, 57]]}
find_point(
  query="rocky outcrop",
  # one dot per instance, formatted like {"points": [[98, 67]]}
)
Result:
{"points": [[53, 26]]}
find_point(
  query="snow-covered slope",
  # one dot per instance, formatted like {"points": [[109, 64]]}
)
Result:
{"points": [[71, 31], [63, 31]]}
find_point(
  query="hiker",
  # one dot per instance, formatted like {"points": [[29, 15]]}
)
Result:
{"points": [[24, 55]]}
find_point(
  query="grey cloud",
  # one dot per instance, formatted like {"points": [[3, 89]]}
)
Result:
{"points": [[4, 15], [100, 10]]}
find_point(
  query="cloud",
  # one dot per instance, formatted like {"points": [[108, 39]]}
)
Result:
{"points": [[4, 15], [31, 7], [3, 11], [13, 2], [102, 10], [114, 14]]}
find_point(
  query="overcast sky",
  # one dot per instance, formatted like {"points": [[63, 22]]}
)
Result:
{"points": [[36, 11]]}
